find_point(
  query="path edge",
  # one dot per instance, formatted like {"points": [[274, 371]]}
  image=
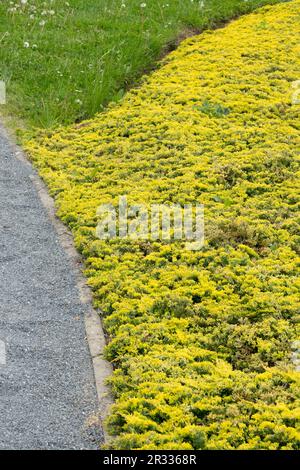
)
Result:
{"points": [[95, 335]]}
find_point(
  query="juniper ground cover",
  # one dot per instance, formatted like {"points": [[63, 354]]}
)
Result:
{"points": [[201, 341]]}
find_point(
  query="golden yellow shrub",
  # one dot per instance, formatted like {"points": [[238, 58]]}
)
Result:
{"points": [[201, 341]]}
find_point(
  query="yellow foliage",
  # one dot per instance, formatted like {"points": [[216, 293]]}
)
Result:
{"points": [[201, 341]]}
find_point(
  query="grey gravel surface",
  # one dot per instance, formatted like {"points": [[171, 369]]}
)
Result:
{"points": [[47, 390]]}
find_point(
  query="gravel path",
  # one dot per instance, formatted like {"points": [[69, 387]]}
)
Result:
{"points": [[47, 389]]}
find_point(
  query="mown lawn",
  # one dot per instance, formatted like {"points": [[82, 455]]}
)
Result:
{"points": [[64, 61]]}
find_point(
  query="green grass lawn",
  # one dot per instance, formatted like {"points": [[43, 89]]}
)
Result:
{"points": [[64, 61]]}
